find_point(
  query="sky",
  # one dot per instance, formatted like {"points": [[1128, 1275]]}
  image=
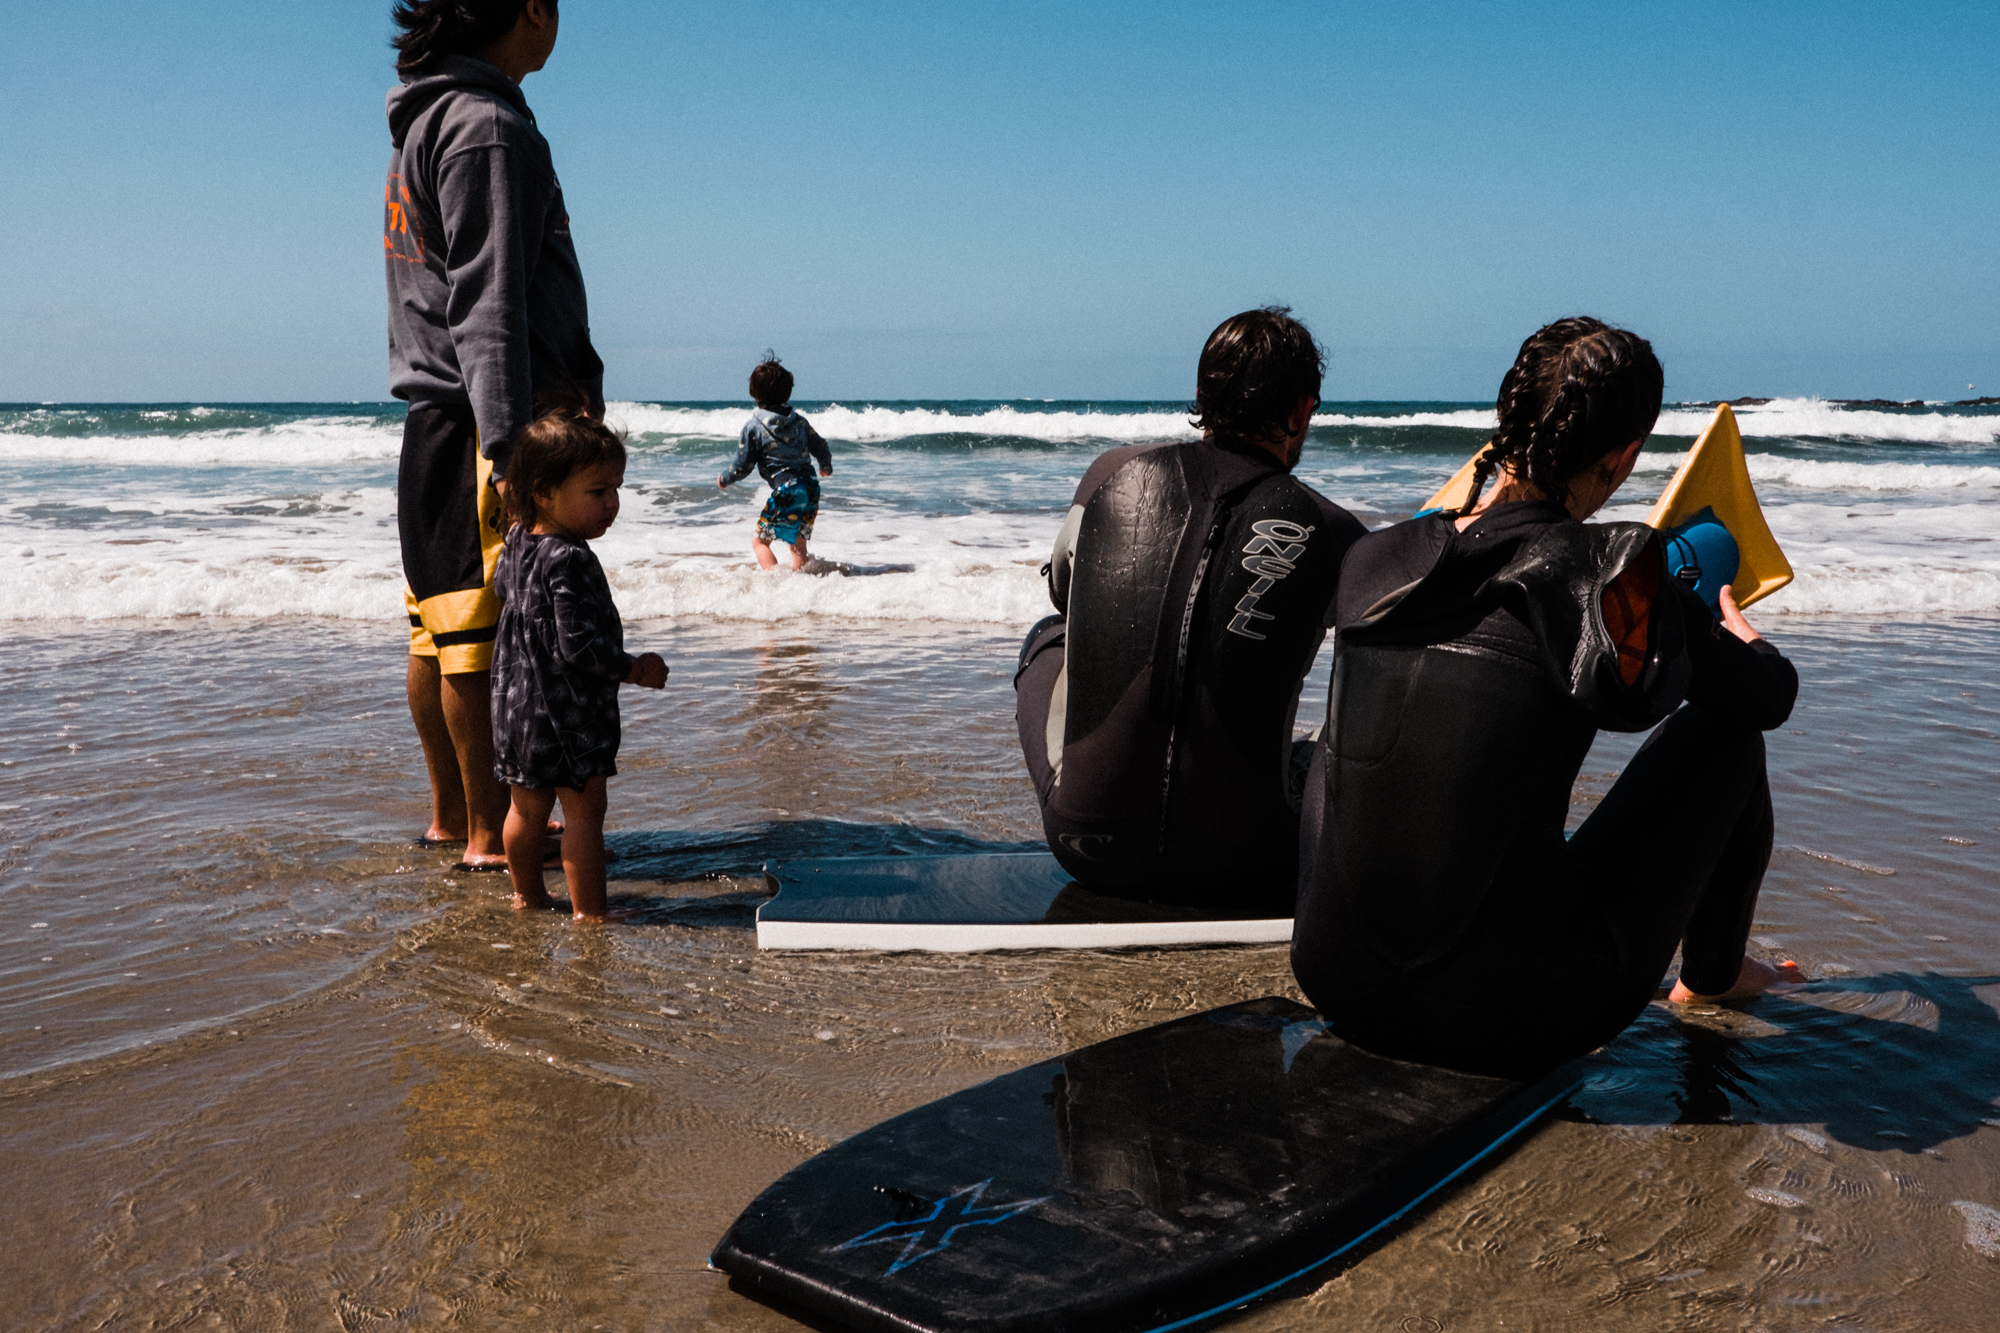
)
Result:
{"points": [[1039, 200]]}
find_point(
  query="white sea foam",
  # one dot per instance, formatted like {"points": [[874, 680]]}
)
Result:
{"points": [[65, 586], [1782, 418], [869, 424], [1811, 474], [1879, 557], [1474, 418], [967, 594], [144, 524], [335, 439], [1816, 419], [964, 569], [306, 442]]}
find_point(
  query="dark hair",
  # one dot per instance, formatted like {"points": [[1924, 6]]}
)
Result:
{"points": [[1578, 390], [429, 30], [553, 446], [1254, 369], [770, 382]]}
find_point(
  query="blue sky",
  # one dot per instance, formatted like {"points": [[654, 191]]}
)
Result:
{"points": [[1040, 200]]}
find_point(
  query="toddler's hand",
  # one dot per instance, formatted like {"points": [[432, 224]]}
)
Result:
{"points": [[826, 472], [649, 672]]}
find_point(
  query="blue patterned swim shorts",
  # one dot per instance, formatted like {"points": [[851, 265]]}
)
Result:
{"points": [[788, 515]]}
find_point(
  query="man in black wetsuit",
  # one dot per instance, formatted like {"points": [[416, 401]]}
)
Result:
{"points": [[1193, 583]]}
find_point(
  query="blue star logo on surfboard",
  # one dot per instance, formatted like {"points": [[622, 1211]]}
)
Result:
{"points": [[924, 1236]]}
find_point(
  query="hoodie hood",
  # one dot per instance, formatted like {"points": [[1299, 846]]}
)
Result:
{"points": [[450, 74]]}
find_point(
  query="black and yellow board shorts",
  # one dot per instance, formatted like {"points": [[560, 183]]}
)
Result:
{"points": [[451, 523]]}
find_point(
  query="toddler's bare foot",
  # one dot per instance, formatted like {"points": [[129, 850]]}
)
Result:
{"points": [[595, 918], [1756, 977], [538, 901]]}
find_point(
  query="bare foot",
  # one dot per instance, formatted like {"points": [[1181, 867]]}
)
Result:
{"points": [[537, 902], [1756, 977], [480, 863]]}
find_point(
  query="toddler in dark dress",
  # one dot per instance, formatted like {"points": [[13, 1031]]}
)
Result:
{"points": [[559, 655]]}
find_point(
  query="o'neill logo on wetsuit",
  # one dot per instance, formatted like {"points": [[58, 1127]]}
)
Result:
{"points": [[1271, 554]]}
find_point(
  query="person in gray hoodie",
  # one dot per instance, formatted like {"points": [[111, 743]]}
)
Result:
{"points": [[487, 325]]}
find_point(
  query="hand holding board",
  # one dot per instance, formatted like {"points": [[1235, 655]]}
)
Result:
{"points": [[1716, 478]]}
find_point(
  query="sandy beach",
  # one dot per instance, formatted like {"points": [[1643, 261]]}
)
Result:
{"points": [[293, 286], [268, 1066]]}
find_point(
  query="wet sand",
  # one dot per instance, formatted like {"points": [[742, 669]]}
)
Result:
{"points": [[265, 1065]]}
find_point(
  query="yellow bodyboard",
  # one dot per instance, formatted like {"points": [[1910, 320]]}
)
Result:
{"points": [[1452, 494], [1714, 477]]}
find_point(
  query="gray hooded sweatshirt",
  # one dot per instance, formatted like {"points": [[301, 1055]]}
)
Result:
{"points": [[486, 303]]}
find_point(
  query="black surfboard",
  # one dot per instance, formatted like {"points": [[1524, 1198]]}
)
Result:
{"points": [[992, 900], [1150, 1182]]}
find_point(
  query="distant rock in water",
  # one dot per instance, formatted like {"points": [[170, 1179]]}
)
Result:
{"points": [[1877, 402], [1731, 402], [1977, 402]]}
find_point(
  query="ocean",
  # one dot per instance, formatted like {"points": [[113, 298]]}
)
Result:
{"points": [[255, 511], [267, 1065]]}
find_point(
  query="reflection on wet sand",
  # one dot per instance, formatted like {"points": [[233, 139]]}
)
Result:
{"points": [[791, 691], [1899, 1062]]}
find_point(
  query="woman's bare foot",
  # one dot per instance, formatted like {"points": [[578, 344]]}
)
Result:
{"points": [[1756, 977]]}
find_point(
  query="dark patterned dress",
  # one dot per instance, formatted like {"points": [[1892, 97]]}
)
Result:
{"points": [[557, 662]]}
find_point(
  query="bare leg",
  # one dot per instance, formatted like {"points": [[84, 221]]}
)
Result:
{"points": [[799, 553], [1757, 978], [427, 711], [583, 848], [527, 820], [762, 550], [468, 712]]}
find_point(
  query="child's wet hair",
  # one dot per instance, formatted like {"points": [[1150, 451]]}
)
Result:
{"points": [[771, 383], [553, 446]]}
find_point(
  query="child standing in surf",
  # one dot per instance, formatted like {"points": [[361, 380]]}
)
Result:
{"points": [[559, 655], [782, 445]]}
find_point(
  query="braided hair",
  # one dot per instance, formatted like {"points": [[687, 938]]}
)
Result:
{"points": [[1578, 390], [429, 30]]}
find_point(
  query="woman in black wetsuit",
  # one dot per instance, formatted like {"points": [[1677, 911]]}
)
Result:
{"points": [[1442, 915]]}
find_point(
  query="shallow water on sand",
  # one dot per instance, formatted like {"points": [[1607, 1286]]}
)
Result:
{"points": [[265, 1065]]}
